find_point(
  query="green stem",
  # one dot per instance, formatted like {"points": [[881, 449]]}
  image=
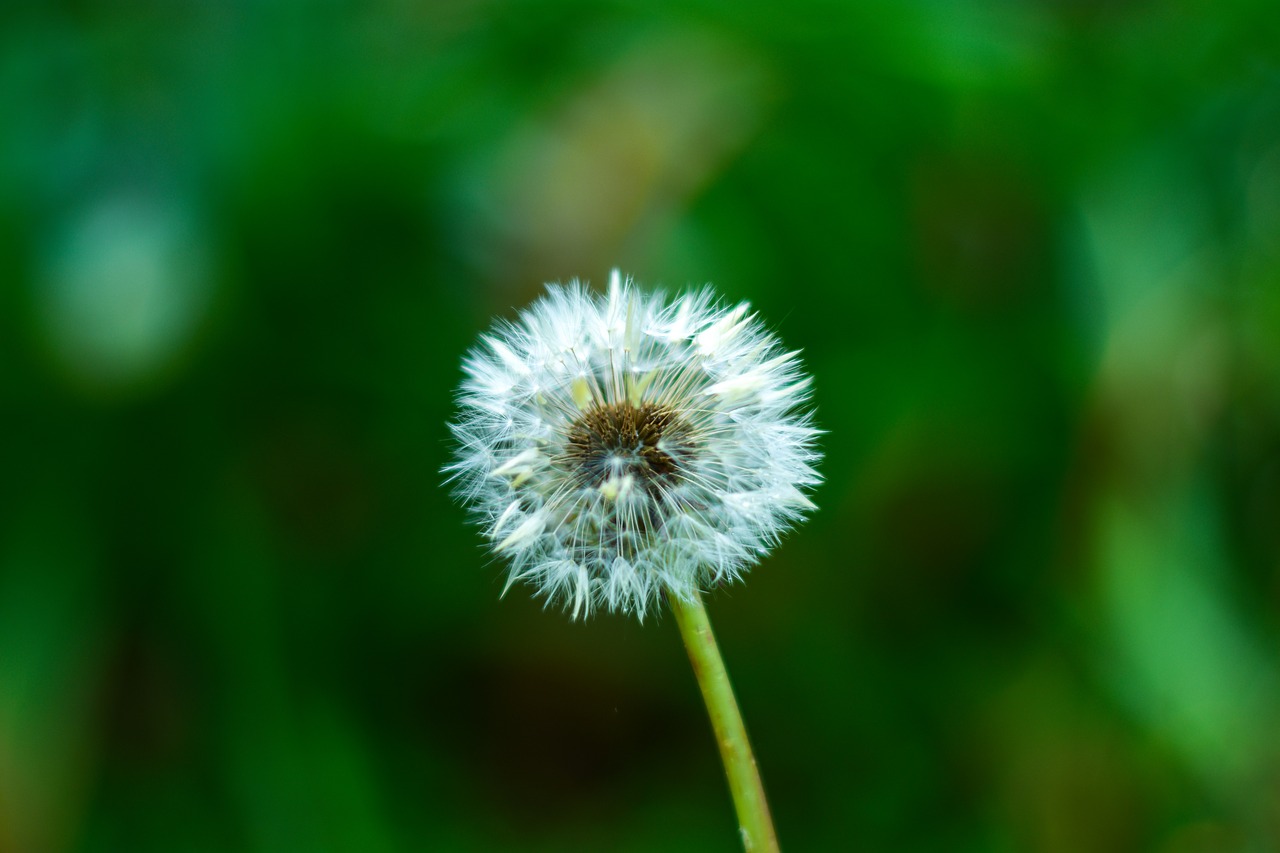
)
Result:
{"points": [[726, 721]]}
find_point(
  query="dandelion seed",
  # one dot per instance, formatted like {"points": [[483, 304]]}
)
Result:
{"points": [[622, 447]]}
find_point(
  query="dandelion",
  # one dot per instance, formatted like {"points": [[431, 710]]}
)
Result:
{"points": [[622, 448]]}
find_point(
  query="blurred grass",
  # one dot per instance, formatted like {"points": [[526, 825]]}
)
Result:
{"points": [[1030, 251]]}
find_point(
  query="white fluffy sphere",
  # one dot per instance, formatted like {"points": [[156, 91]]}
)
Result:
{"points": [[617, 448]]}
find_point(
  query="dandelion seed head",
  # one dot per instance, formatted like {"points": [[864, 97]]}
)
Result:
{"points": [[617, 447]]}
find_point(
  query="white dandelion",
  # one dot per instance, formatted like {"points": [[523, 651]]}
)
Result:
{"points": [[623, 447]]}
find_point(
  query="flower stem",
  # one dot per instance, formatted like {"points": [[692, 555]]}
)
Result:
{"points": [[726, 722]]}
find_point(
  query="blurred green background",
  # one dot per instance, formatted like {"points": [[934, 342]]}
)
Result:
{"points": [[1031, 252]]}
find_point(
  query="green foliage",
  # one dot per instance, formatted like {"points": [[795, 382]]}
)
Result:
{"points": [[1030, 251]]}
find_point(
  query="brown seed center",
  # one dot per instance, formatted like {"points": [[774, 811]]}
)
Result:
{"points": [[647, 441]]}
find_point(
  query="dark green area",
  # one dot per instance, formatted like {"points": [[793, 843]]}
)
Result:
{"points": [[1031, 252]]}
